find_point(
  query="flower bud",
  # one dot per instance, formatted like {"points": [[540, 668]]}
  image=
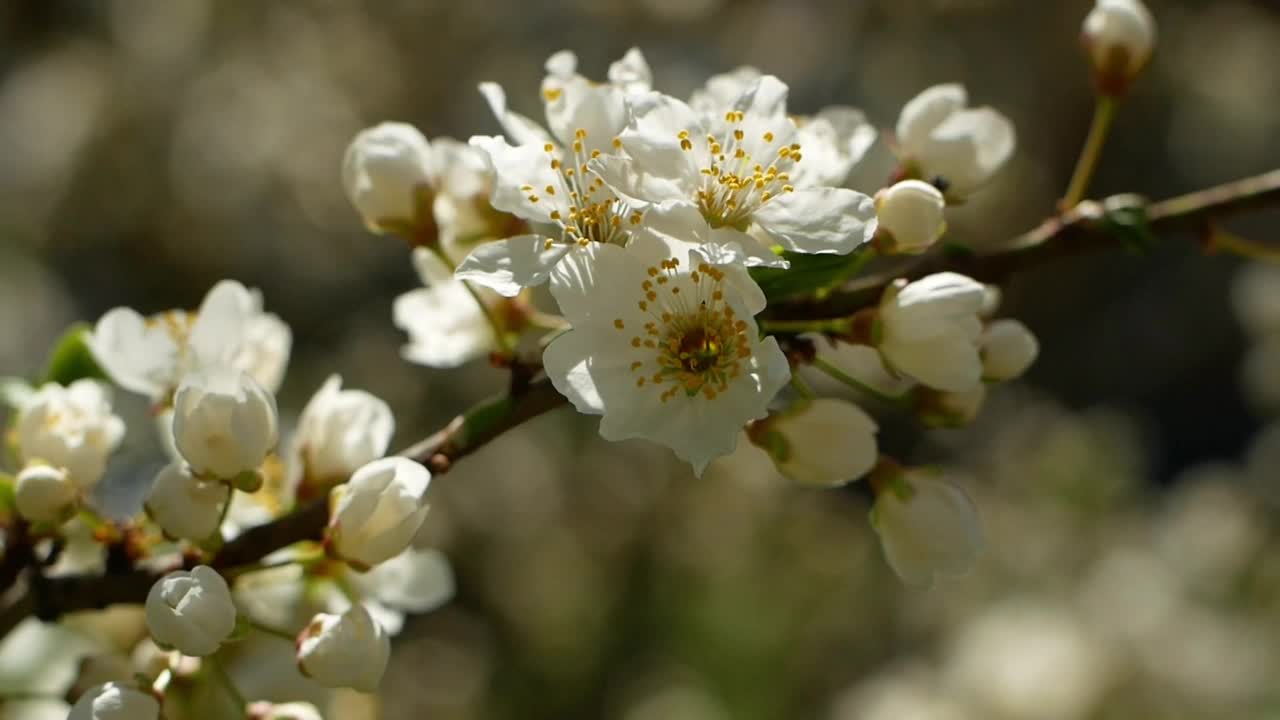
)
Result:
{"points": [[929, 330], [1008, 348], [383, 170], [909, 217], [825, 442], [191, 612], [338, 432], [45, 494], [70, 427], [185, 506], [1119, 36], [348, 650], [376, 514], [927, 526], [939, 409], [114, 701], [224, 423], [285, 711]]}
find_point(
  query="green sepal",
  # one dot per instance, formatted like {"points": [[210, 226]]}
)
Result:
{"points": [[1130, 225]]}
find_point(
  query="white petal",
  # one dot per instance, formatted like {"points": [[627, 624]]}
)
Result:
{"points": [[818, 220], [519, 128], [925, 112], [829, 442], [445, 324], [138, 356], [936, 531], [832, 143], [521, 173], [631, 73], [968, 148], [509, 265], [652, 139], [948, 361], [431, 269], [767, 98], [218, 331], [587, 285], [722, 90], [415, 581]]}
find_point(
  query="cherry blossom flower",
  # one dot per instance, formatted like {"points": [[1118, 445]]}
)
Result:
{"points": [[115, 701], [1119, 36], [446, 325], [338, 432], [185, 506], [191, 611], [224, 423], [347, 650], [46, 494], [928, 526], [376, 514], [929, 330], [70, 427], [1007, 348], [951, 145], [823, 442], [909, 217]]}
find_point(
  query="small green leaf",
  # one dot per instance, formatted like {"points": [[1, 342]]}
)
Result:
{"points": [[807, 274], [1130, 225], [71, 358]]}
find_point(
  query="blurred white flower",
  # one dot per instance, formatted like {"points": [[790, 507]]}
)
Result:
{"points": [[664, 347], [737, 172], [824, 442], [1255, 296], [46, 494], [224, 422], [1007, 348], [446, 326], [929, 330], [1119, 36], [185, 506], [909, 217], [376, 514], [150, 355], [543, 177], [70, 427], [928, 526], [947, 143], [115, 701], [338, 432], [191, 612], [283, 711], [387, 172], [348, 650], [415, 581], [940, 409]]}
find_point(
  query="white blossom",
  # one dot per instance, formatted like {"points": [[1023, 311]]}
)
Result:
{"points": [[929, 330], [446, 325], [348, 650], [1008, 348], [185, 506], [946, 142], [1255, 297], [70, 427], [909, 217], [150, 355], [338, 432], [283, 711], [928, 526], [376, 514], [46, 494], [415, 581], [738, 169], [824, 442], [937, 408], [543, 177], [664, 346], [191, 612], [1119, 36], [384, 172], [224, 422], [115, 701]]}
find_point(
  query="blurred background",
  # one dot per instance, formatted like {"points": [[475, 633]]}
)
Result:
{"points": [[1128, 484]]}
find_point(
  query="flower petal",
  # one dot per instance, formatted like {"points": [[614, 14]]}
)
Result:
{"points": [[925, 112], [818, 220], [521, 172], [509, 265], [519, 128]]}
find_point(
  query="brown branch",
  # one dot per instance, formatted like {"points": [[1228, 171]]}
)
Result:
{"points": [[1083, 229]]}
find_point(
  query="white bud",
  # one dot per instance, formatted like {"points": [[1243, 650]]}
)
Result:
{"points": [[909, 217], [185, 506], [45, 494], [943, 139], [114, 701], [191, 612], [382, 171], [1008, 349], [927, 526], [1119, 36], [348, 650], [70, 427], [949, 409], [283, 711], [929, 330], [339, 431], [377, 513], [826, 442], [224, 422]]}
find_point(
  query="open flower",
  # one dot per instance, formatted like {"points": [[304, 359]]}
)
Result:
{"points": [[446, 325], [338, 432], [953, 146], [824, 442], [70, 427], [544, 177], [115, 701], [929, 330], [282, 711], [664, 346], [150, 355], [377, 513], [348, 650], [191, 612], [224, 423], [738, 170], [928, 526]]}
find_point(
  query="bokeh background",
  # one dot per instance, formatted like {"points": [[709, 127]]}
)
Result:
{"points": [[151, 147]]}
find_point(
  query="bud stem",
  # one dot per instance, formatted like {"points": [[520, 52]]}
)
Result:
{"points": [[499, 332], [832, 326], [1103, 115], [1220, 240], [219, 671], [844, 377]]}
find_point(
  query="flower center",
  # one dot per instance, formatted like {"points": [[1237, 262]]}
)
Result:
{"points": [[735, 183], [586, 209], [694, 342]]}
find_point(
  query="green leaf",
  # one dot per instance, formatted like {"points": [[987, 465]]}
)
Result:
{"points": [[1129, 224], [807, 274], [71, 358]]}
